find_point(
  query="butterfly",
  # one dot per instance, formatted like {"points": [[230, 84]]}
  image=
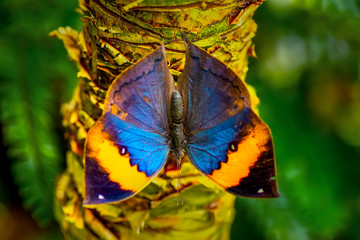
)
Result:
{"points": [[207, 114]]}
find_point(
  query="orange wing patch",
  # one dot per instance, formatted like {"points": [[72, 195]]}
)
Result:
{"points": [[238, 164], [115, 161], [250, 168], [109, 176], [241, 156]]}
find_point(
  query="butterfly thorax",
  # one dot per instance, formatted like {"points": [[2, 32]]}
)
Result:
{"points": [[177, 132]]}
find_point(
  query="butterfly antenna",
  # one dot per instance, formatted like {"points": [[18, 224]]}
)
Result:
{"points": [[179, 187], [185, 39]]}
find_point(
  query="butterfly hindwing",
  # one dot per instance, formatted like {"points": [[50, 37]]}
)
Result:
{"points": [[120, 160], [238, 155]]}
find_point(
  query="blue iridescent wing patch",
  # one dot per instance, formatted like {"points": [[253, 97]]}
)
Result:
{"points": [[227, 141], [128, 145], [120, 160], [237, 154]]}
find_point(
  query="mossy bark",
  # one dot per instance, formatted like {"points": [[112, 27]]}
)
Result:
{"points": [[116, 34]]}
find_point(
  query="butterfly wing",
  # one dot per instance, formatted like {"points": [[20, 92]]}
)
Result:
{"points": [[128, 145], [218, 115], [141, 94], [238, 155], [120, 160], [212, 93]]}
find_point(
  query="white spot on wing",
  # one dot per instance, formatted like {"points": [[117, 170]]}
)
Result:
{"points": [[261, 190], [101, 197], [123, 151]]}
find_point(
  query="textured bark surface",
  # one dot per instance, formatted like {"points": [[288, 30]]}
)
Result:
{"points": [[116, 34]]}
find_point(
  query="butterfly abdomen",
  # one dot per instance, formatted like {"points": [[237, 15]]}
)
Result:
{"points": [[177, 128]]}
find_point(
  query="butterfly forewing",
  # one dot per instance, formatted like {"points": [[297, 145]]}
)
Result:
{"points": [[227, 141], [211, 92], [128, 145], [238, 155], [141, 94], [117, 165]]}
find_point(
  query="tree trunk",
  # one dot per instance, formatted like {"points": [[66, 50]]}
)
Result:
{"points": [[116, 34]]}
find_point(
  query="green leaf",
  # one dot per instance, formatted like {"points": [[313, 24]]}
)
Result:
{"points": [[35, 77]]}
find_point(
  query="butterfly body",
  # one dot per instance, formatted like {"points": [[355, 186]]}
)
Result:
{"points": [[207, 116], [177, 130]]}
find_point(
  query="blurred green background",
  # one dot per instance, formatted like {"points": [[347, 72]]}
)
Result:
{"points": [[307, 76]]}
